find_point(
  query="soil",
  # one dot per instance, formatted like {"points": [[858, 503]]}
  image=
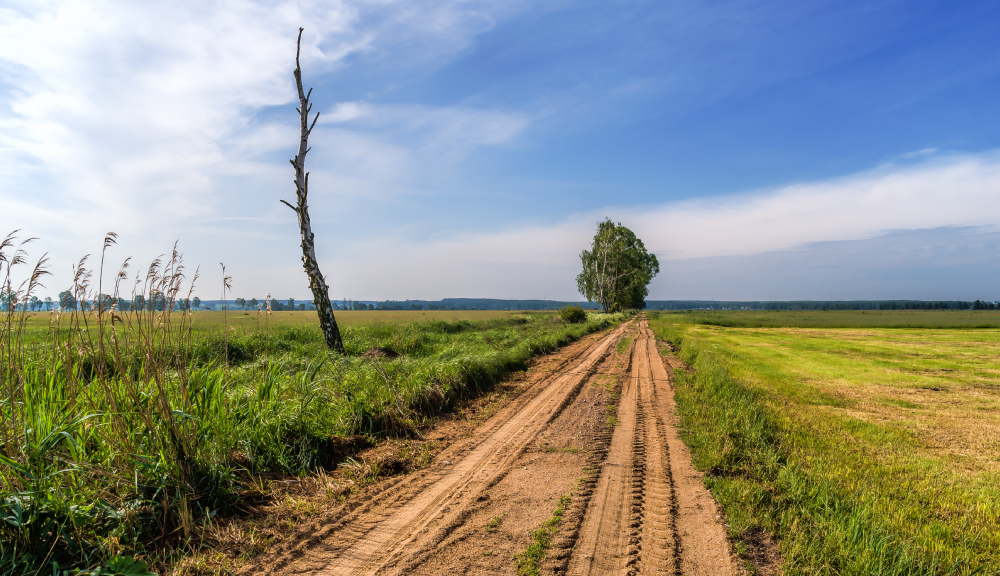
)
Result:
{"points": [[380, 352], [588, 423]]}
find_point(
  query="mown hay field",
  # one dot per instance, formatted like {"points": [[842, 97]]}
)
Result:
{"points": [[841, 318], [863, 450]]}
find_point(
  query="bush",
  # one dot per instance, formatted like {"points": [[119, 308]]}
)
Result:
{"points": [[573, 315]]}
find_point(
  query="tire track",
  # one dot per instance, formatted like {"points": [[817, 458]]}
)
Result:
{"points": [[396, 528], [635, 522], [659, 545]]}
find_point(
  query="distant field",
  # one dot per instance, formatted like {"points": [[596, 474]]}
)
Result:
{"points": [[865, 450], [839, 318], [207, 321], [241, 318]]}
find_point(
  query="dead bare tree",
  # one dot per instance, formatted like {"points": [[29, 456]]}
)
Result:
{"points": [[317, 283]]}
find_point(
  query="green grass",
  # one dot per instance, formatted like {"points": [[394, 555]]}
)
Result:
{"points": [[117, 440], [208, 321], [493, 524], [528, 562], [962, 319], [623, 345], [864, 450]]}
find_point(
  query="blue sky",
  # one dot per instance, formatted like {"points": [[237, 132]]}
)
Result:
{"points": [[467, 149]]}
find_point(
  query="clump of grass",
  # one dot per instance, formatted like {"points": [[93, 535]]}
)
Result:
{"points": [[573, 314], [359, 473], [529, 561], [493, 524]]}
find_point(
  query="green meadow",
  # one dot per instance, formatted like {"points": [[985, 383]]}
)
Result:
{"points": [[121, 434], [840, 318], [863, 449]]}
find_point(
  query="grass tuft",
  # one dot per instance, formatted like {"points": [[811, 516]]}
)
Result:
{"points": [[529, 561]]}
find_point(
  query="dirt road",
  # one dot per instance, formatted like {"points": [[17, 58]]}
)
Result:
{"points": [[594, 427], [650, 512]]}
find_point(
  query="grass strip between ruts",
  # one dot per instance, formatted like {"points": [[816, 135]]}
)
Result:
{"points": [[529, 560]]}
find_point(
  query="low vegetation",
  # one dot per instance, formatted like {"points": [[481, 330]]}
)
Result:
{"points": [[862, 450], [573, 314], [528, 562], [122, 432]]}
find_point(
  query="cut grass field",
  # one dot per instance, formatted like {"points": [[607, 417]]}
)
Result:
{"points": [[119, 439], [863, 450], [840, 318]]}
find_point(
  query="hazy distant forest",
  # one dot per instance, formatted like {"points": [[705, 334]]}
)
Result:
{"points": [[66, 301]]}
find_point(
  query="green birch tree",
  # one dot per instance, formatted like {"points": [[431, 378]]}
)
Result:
{"points": [[617, 269]]}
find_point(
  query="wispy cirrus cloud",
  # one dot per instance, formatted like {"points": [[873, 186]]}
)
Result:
{"points": [[452, 126]]}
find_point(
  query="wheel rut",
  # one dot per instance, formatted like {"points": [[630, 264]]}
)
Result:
{"points": [[649, 512], [392, 531]]}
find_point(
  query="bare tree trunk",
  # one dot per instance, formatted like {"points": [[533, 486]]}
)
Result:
{"points": [[321, 294]]}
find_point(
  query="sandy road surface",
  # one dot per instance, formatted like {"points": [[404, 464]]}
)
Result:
{"points": [[650, 512], [637, 506]]}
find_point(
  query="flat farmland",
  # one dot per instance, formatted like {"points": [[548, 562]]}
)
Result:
{"points": [[860, 450], [214, 320], [307, 318], [841, 318]]}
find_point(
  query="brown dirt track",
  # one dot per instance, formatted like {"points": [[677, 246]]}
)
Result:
{"points": [[637, 507]]}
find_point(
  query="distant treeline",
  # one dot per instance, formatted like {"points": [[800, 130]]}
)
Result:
{"points": [[445, 304], [498, 304], [478, 304], [159, 302]]}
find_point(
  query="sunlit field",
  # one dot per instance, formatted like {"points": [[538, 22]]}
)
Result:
{"points": [[207, 321], [864, 450], [842, 318]]}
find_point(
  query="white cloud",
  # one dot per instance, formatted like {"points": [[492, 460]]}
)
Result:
{"points": [[146, 118], [955, 190], [128, 106], [542, 260], [453, 127]]}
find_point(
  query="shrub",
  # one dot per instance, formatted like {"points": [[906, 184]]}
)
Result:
{"points": [[573, 315]]}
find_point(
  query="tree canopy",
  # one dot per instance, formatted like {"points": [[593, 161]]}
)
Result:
{"points": [[617, 269]]}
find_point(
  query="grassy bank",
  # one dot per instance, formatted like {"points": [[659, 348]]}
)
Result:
{"points": [[121, 432], [864, 451]]}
